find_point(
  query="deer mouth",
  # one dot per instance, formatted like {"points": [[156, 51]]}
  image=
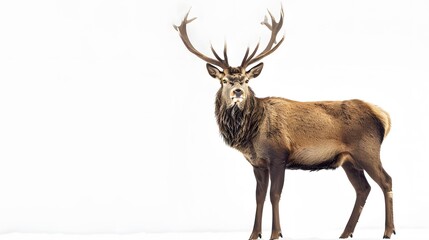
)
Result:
{"points": [[237, 99]]}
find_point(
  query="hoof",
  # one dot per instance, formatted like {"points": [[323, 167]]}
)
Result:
{"points": [[388, 233], [277, 238], [346, 235], [258, 237]]}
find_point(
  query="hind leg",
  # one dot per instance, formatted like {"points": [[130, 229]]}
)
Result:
{"points": [[362, 188], [379, 175]]}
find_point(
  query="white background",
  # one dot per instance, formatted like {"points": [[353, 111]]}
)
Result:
{"points": [[107, 122]]}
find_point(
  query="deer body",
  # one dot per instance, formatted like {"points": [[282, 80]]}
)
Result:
{"points": [[303, 135], [275, 134]]}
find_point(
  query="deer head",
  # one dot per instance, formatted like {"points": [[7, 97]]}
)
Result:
{"points": [[234, 80]]}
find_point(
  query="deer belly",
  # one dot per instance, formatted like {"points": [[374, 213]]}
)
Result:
{"points": [[315, 158]]}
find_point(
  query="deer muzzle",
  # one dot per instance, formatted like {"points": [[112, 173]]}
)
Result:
{"points": [[237, 95]]}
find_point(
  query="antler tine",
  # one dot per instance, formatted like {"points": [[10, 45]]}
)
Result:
{"points": [[215, 54], [225, 60], [225, 55], [275, 28], [185, 38], [254, 51], [184, 21], [245, 57], [266, 23]]}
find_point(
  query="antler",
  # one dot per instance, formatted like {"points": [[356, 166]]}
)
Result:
{"points": [[223, 63], [275, 28]]}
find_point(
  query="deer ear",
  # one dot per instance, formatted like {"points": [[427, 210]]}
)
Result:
{"points": [[255, 71], [213, 71]]}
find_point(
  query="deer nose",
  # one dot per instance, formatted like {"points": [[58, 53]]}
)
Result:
{"points": [[238, 92]]}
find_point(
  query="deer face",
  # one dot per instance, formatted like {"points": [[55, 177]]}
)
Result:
{"points": [[234, 83]]}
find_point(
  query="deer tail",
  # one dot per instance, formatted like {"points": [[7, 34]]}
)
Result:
{"points": [[382, 116]]}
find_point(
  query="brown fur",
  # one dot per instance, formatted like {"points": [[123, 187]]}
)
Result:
{"points": [[309, 133], [275, 134]]}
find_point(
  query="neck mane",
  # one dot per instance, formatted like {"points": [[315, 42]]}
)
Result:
{"points": [[239, 127]]}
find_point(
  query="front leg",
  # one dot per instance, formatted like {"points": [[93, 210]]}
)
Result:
{"points": [[277, 174], [261, 175]]}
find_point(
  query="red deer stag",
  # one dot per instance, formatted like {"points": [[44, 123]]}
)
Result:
{"points": [[275, 134]]}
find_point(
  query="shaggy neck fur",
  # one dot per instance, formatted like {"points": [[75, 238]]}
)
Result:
{"points": [[239, 127]]}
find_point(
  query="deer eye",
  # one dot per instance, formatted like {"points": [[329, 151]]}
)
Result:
{"points": [[224, 81], [247, 81]]}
